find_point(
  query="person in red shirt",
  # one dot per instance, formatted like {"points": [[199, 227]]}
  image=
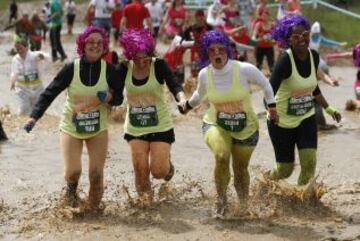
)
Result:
{"points": [[265, 43], [134, 15], [175, 19], [116, 16], [195, 33]]}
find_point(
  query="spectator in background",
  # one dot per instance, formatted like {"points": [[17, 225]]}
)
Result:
{"points": [[39, 29], [265, 45], [134, 15], [195, 32], [56, 20], [45, 15], [13, 11], [175, 19], [156, 13], [116, 16], [70, 11], [102, 13]]}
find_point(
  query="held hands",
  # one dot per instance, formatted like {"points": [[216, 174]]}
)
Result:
{"points": [[182, 104], [334, 113], [29, 125], [273, 115]]}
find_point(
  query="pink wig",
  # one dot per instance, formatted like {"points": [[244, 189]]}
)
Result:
{"points": [[137, 41], [80, 41]]}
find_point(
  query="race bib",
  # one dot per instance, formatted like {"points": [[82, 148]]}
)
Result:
{"points": [[87, 122], [29, 77], [143, 116], [178, 21], [231, 122], [298, 106]]}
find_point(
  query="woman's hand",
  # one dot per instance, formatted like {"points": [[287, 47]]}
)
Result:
{"points": [[29, 125], [333, 113], [273, 115]]}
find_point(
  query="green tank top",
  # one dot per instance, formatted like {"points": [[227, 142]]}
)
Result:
{"points": [[147, 110], [294, 99], [84, 116], [231, 109]]}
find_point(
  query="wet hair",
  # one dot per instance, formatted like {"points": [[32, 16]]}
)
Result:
{"points": [[136, 41], [23, 41], [284, 26], [356, 55], [213, 37], [80, 41]]}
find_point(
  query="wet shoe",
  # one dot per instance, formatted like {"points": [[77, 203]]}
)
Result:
{"points": [[171, 173], [220, 208], [71, 198], [3, 136], [327, 127], [63, 58], [54, 59]]}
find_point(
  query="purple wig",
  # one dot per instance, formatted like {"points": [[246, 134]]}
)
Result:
{"points": [[356, 55], [213, 37], [80, 41], [284, 27], [136, 41]]}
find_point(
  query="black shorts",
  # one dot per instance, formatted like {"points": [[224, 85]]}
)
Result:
{"points": [[166, 136], [70, 19], [284, 139]]}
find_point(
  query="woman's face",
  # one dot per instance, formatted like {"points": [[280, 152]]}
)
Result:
{"points": [[94, 47], [217, 55], [142, 60], [21, 49], [299, 38]]}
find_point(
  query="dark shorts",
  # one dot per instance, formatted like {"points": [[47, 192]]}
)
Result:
{"points": [[166, 136], [284, 139], [250, 141], [70, 19]]}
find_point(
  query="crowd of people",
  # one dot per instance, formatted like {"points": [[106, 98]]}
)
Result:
{"points": [[219, 40]]}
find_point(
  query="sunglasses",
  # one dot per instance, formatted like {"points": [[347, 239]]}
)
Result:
{"points": [[94, 43], [216, 50], [303, 35], [143, 58]]}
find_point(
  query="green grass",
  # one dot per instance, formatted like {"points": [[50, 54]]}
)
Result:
{"points": [[335, 25]]}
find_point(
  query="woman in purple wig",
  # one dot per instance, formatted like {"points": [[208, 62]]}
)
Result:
{"points": [[230, 125], [88, 81], [148, 125], [294, 81]]}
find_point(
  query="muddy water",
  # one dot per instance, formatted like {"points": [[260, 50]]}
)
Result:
{"points": [[31, 181]]}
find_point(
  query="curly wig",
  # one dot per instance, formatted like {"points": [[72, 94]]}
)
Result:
{"points": [[213, 37], [136, 41], [80, 41], [284, 27]]}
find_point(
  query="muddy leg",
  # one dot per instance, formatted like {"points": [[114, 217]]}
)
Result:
{"points": [[140, 157], [97, 149]]}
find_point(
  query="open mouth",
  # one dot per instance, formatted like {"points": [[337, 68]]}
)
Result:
{"points": [[218, 60]]}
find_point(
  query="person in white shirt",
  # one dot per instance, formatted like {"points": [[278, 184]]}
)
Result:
{"points": [[25, 78], [156, 13], [102, 17], [230, 125], [70, 11]]}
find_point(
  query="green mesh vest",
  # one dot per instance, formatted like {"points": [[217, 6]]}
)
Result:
{"points": [[231, 109], [294, 99], [83, 115], [147, 110]]}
